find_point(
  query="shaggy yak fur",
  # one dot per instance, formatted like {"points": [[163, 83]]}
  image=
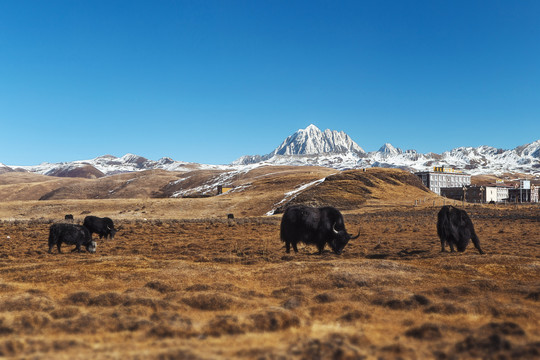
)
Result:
{"points": [[318, 226], [104, 227], [70, 234], [455, 228]]}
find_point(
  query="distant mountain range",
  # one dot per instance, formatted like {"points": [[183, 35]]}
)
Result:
{"points": [[311, 146], [108, 165]]}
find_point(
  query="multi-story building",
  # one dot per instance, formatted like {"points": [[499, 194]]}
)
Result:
{"points": [[497, 192], [442, 177]]}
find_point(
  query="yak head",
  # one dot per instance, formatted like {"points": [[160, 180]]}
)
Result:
{"points": [[91, 246], [462, 245], [340, 239], [111, 231]]}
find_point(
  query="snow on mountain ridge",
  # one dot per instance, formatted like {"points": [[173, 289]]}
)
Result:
{"points": [[5, 168], [312, 140], [334, 149], [110, 165], [306, 147], [390, 149]]}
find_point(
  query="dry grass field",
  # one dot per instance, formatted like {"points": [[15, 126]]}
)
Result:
{"points": [[180, 281]]}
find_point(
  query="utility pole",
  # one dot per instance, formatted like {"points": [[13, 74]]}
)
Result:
{"points": [[481, 194]]}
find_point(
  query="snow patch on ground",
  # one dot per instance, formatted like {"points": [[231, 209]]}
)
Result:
{"points": [[292, 194]]}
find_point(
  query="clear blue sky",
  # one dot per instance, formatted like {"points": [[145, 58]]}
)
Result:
{"points": [[209, 81]]}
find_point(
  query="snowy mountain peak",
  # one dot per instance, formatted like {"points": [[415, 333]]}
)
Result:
{"points": [[133, 159], [532, 149], [5, 168], [312, 140], [311, 146], [106, 157], [390, 149], [311, 128]]}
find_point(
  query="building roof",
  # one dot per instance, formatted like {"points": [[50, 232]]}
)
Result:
{"points": [[499, 185], [440, 173]]}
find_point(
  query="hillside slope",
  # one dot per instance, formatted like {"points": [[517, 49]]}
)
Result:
{"points": [[261, 191], [349, 189]]}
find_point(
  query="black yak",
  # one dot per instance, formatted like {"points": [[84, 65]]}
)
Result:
{"points": [[317, 226], [104, 227], [70, 234], [456, 228]]}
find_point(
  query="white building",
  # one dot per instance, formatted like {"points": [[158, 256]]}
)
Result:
{"points": [[442, 177], [496, 193]]}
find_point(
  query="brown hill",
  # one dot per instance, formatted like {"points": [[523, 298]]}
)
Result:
{"points": [[5, 169], [264, 190], [348, 189], [85, 171], [29, 186], [122, 186]]}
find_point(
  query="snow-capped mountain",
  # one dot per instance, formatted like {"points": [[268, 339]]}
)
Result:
{"points": [[311, 146], [313, 141], [390, 150], [310, 142], [110, 165], [5, 168]]}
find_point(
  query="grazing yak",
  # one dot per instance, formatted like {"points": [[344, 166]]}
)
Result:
{"points": [[70, 234], [456, 228], [104, 227], [316, 226]]}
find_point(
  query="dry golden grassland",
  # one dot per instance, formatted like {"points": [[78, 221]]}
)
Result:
{"points": [[207, 289], [180, 281]]}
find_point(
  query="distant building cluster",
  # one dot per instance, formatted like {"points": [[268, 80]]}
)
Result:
{"points": [[456, 185]]}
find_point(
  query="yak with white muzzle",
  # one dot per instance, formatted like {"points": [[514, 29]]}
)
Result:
{"points": [[318, 226], [72, 235]]}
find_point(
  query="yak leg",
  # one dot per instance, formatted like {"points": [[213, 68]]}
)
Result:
{"points": [[442, 245], [77, 248], [477, 246], [294, 247], [476, 243], [59, 246], [287, 247], [453, 237]]}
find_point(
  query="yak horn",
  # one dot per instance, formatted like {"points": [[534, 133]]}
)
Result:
{"points": [[334, 229], [356, 237]]}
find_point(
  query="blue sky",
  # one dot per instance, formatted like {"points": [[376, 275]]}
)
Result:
{"points": [[210, 81]]}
